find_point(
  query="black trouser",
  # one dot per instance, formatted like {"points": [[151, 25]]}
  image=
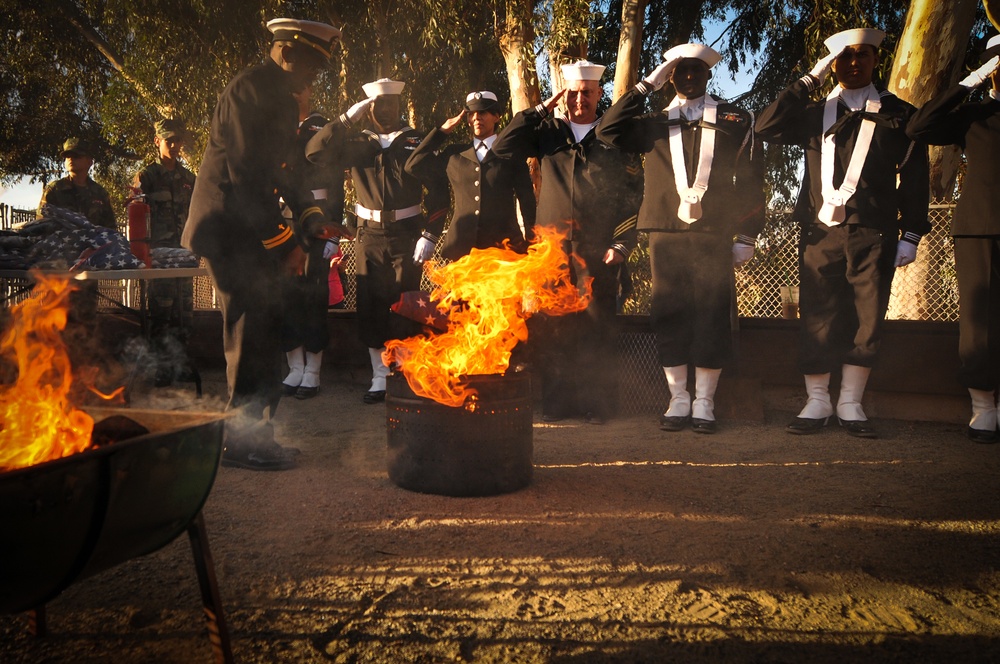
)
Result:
{"points": [[306, 302], [577, 354], [691, 307], [845, 275], [385, 270], [977, 264], [249, 285]]}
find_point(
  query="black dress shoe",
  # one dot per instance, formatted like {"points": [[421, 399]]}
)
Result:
{"points": [[306, 392], [376, 396], [674, 422], [547, 417], [289, 390], [594, 418], [982, 436], [258, 459], [699, 425], [806, 425], [859, 428]]}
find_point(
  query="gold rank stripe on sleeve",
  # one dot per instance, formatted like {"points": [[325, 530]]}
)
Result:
{"points": [[633, 169], [279, 239], [625, 226], [309, 212]]}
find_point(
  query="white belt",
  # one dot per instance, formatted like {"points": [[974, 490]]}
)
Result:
{"points": [[380, 216]]}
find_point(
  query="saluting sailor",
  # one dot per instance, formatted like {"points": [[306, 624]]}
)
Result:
{"points": [[975, 126], [487, 189], [591, 191], [863, 209], [394, 237], [703, 207]]}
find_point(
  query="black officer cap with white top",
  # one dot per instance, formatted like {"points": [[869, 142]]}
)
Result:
{"points": [[482, 101], [583, 70], [838, 42], [318, 36], [701, 52], [383, 86], [992, 49]]}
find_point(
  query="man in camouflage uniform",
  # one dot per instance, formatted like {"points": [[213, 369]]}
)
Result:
{"points": [[77, 191], [166, 186]]}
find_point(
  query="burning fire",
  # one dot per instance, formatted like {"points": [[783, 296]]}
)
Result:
{"points": [[37, 422], [488, 296]]}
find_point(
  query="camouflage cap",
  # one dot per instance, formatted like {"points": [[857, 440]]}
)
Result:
{"points": [[170, 128], [75, 147]]}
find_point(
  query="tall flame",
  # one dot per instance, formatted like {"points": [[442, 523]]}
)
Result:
{"points": [[37, 422], [488, 296]]}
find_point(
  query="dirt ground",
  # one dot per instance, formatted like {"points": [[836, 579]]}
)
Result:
{"points": [[630, 545]]}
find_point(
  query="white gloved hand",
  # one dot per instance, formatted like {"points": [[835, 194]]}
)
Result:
{"points": [[978, 77], [356, 112], [657, 78], [330, 249], [423, 251], [822, 68], [742, 253], [906, 253]]}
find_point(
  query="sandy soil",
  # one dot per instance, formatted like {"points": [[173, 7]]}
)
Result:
{"points": [[630, 545]]}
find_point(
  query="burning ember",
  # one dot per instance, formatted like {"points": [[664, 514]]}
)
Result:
{"points": [[487, 297], [37, 422]]}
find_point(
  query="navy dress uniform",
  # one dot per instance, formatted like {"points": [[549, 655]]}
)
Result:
{"points": [[487, 189], [305, 334], [704, 186], [391, 222], [591, 192], [975, 226], [862, 210], [236, 224]]}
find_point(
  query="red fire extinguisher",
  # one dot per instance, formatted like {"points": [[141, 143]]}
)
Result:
{"points": [[138, 228]]}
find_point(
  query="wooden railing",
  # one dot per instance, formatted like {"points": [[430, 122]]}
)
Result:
{"points": [[10, 216]]}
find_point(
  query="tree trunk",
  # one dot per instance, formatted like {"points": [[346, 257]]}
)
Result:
{"points": [[629, 47], [516, 38], [927, 62]]}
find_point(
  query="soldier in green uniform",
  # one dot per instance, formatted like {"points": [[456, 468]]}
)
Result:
{"points": [[166, 186], [77, 191]]}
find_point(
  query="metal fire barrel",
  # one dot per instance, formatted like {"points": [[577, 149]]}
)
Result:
{"points": [[450, 451]]}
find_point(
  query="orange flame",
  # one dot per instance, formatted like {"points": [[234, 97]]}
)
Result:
{"points": [[37, 422], [488, 296]]}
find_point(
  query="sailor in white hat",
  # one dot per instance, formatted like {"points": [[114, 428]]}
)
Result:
{"points": [[591, 192], [253, 253], [704, 186], [394, 235], [487, 189], [975, 226], [862, 214]]}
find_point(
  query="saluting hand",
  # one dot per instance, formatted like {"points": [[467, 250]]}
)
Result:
{"points": [[659, 76], [978, 77], [552, 102], [357, 112], [450, 124], [822, 68]]}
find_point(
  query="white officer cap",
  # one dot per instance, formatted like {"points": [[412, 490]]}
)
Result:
{"points": [[481, 101], [319, 36], [701, 52], [583, 70], [383, 86], [842, 40]]}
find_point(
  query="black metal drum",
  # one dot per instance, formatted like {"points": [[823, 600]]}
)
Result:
{"points": [[449, 451]]}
